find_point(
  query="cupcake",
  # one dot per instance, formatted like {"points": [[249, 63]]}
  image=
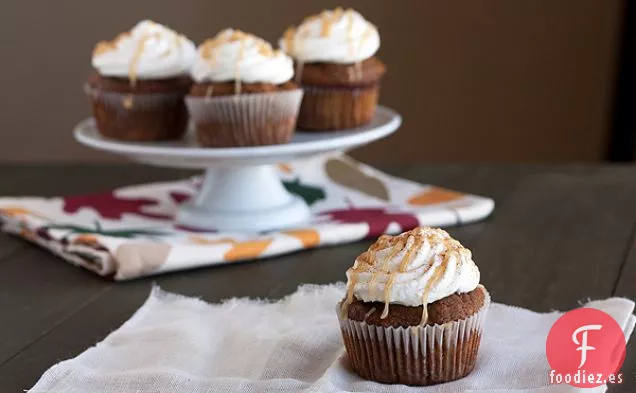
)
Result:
{"points": [[414, 309], [141, 78], [243, 93], [335, 65]]}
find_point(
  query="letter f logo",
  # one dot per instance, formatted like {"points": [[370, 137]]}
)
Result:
{"points": [[583, 344]]}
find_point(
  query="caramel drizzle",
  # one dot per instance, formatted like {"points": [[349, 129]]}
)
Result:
{"points": [[288, 37], [387, 295], [453, 249], [353, 279], [237, 69], [375, 275], [354, 72], [207, 50], [358, 70], [408, 256], [134, 63], [328, 21], [436, 277], [349, 13], [106, 46], [209, 91], [351, 74], [367, 34], [176, 44], [128, 101], [178, 41]]}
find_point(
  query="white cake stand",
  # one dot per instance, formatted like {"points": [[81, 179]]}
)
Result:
{"points": [[241, 189]]}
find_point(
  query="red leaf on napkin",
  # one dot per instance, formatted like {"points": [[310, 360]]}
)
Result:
{"points": [[378, 219], [111, 206]]}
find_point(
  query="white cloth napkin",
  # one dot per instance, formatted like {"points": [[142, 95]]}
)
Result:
{"points": [[179, 344]]}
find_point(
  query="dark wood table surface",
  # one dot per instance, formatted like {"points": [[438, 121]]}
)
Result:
{"points": [[559, 235]]}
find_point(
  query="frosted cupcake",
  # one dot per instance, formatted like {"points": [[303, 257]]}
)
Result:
{"points": [[414, 309], [141, 79], [335, 64], [243, 93]]}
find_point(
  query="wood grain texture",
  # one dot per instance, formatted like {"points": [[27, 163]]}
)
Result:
{"points": [[38, 293], [558, 235], [560, 239]]}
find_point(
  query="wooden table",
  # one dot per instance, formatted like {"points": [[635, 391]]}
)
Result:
{"points": [[559, 235]]}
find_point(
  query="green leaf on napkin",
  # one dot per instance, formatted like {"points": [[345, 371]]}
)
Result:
{"points": [[349, 175], [125, 233], [310, 194]]}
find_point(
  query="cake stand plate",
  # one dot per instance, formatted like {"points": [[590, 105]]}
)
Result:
{"points": [[241, 190]]}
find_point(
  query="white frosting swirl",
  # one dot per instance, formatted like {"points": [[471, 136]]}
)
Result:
{"points": [[233, 55], [148, 51], [336, 36], [415, 268]]}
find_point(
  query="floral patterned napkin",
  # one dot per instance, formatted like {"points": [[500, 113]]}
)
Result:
{"points": [[129, 233]]}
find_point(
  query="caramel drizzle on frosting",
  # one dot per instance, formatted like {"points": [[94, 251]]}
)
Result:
{"points": [[394, 251], [397, 244], [106, 46], [452, 250], [408, 256], [387, 295], [353, 280], [358, 70], [328, 19], [237, 67], [134, 63], [349, 14], [209, 47], [288, 38], [209, 91], [367, 34]]}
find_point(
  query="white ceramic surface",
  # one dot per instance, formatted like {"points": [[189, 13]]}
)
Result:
{"points": [[186, 153], [241, 190]]}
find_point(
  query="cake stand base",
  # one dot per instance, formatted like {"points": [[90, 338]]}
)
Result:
{"points": [[236, 198]]}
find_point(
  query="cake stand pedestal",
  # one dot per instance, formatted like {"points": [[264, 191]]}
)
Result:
{"points": [[241, 189]]}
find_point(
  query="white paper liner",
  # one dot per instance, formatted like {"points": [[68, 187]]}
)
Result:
{"points": [[139, 117], [336, 108], [417, 355], [245, 119]]}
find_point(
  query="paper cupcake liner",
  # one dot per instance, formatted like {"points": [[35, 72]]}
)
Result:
{"points": [[138, 117], [417, 355], [251, 119], [325, 109]]}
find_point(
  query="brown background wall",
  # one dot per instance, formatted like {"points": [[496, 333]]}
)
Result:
{"points": [[476, 80]]}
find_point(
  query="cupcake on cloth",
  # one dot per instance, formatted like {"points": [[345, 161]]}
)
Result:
{"points": [[141, 79], [335, 64], [414, 309], [243, 93]]}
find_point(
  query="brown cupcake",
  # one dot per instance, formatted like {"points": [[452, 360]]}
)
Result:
{"points": [[213, 128], [243, 95], [413, 345], [140, 82], [343, 94], [339, 96], [148, 111]]}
